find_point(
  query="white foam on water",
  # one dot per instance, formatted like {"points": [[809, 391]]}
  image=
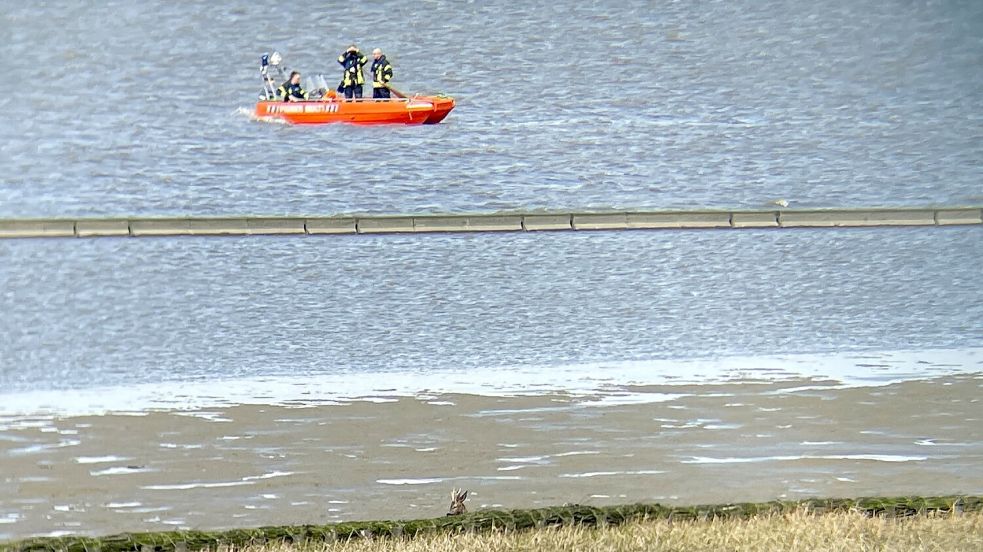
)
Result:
{"points": [[119, 470], [599, 384], [575, 453], [12, 517], [250, 113], [34, 479], [376, 400], [210, 416], [32, 423], [626, 399], [150, 510], [267, 475], [433, 480], [115, 505], [526, 459], [610, 473], [935, 443], [754, 459], [189, 486], [44, 447], [100, 459], [423, 481]]}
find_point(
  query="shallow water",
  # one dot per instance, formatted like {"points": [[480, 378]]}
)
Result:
{"points": [[121, 108], [757, 438]]}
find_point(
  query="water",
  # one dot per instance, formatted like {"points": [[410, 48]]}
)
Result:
{"points": [[748, 438], [121, 108], [151, 384], [115, 311]]}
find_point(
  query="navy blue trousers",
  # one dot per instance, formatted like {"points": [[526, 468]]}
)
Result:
{"points": [[351, 91]]}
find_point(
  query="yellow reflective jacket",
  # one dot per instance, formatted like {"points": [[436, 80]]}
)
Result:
{"points": [[352, 62], [288, 91], [382, 72]]}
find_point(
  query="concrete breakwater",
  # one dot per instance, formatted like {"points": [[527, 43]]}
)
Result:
{"points": [[511, 222]]}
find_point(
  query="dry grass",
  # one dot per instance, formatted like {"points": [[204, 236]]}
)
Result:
{"points": [[851, 532]]}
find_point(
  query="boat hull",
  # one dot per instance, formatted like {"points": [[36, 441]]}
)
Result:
{"points": [[418, 110]]}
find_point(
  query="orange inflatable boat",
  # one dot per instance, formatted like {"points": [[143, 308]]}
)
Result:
{"points": [[415, 110], [330, 108]]}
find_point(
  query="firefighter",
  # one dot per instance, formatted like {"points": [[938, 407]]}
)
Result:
{"points": [[292, 91], [382, 73], [352, 80]]}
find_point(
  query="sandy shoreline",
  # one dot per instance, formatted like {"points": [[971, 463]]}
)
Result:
{"points": [[253, 465]]}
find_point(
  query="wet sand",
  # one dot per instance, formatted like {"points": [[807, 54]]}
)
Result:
{"points": [[256, 465]]}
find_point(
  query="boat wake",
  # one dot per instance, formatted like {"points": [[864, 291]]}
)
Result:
{"points": [[251, 115]]}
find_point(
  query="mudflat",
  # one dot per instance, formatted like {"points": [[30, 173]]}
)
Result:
{"points": [[399, 457]]}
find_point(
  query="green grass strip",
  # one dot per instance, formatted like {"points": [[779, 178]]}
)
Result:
{"points": [[488, 520]]}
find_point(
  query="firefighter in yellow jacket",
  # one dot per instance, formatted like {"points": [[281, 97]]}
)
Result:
{"points": [[352, 80], [382, 73], [292, 91]]}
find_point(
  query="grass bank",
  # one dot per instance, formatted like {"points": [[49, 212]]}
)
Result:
{"points": [[630, 527], [796, 531]]}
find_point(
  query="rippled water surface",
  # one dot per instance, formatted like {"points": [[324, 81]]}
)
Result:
{"points": [[121, 107], [78, 313]]}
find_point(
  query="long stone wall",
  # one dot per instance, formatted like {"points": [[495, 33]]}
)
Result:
{"points": [[515, 222]]}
